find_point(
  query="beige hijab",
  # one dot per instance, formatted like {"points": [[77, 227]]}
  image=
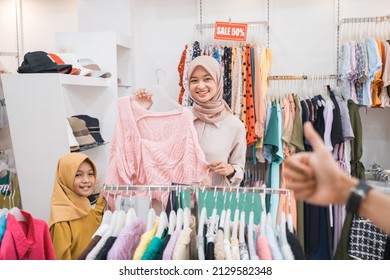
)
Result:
{"points": [[216, 109], [65, 204]]}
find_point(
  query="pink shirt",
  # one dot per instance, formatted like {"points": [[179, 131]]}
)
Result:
{"points": [[150, 148], [29, 240]]}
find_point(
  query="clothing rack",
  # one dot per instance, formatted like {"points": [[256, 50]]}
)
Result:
{"points": [[15, 54], [304, 77], [364, 19], [201, 26], [194, 187]]}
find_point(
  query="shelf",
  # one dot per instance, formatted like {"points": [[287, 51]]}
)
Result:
{"points": [[123, 41], [70, 80]]}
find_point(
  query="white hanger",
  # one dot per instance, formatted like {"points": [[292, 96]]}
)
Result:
{"points": [[151, 214], [172, 222], [186, 216], [18, 214], [113, 220], [223, 212], [107, 217], [163, 222], [131, 215], [179, 219], [263, 216], [162, 101], [120, 222], [236, 218], [251, 244]]}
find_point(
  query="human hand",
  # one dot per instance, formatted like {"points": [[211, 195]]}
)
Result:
{"points": [[144, 98], [221, 168], [315, 176]]}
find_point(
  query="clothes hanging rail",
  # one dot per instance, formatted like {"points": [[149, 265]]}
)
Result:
{"points": [[304, 77], [193, 187], [200, 26], [364, 19], [9, 54]]}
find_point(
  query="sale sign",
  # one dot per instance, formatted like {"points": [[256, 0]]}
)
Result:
{"points": [[230, 31]]}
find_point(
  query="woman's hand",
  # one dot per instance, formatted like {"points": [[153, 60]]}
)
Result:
{"points": [[144, 98], [221, 168]]}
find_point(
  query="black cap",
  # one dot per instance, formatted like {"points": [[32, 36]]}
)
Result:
{"points": [[93, 127], [41, 62]]}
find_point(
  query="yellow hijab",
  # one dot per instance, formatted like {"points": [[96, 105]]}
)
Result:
{"points": [[65, 204]]}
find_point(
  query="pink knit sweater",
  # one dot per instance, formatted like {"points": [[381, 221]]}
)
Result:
{"points": [[154, 148]]}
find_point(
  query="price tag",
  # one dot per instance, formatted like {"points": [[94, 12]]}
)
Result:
{"points": [[230, 31]]}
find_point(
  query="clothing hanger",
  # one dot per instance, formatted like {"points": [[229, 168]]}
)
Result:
{"points": [[203, 213], [179, 213], [223, 212], [211, 230], [131, 215], [186, 215], [242, 221], [151, 214], [172, 217], [236, 218], [162, 101], [251, 229], [120, 222], [163, 222], [263, 216]]}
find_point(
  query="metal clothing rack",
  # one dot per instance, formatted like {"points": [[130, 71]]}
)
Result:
{"points": [[194, 188], [304, 77], [364, 19], [15, 54]]}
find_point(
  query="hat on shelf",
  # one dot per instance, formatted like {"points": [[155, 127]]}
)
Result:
{"points": [[71, 58], [93, 127], [96, 71], [81, 133], [73, 144], [42, 62]]}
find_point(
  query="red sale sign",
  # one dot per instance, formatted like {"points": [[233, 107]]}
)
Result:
{"points": [[230, 31]]}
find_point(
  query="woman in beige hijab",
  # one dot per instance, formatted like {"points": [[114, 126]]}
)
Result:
{"points": [[72, 220], [221, 135]]}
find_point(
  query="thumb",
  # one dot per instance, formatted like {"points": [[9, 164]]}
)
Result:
{"points": [[313, 137]]}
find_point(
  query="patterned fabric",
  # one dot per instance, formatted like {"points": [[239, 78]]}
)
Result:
{"points": [[227, 77], [366, 242]]}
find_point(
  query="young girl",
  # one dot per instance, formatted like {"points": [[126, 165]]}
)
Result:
{"points": [[72, 220]]}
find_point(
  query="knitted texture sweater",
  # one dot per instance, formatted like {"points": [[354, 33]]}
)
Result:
{"points": [[154, 148]]}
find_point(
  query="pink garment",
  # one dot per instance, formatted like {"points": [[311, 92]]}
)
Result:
{"points": [[168, 251], [262, 246], [154, 148], [127, 241], [28, 240]]}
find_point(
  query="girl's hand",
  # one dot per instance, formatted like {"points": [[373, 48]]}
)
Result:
{"points": [[144, 98], [221, 168]]}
